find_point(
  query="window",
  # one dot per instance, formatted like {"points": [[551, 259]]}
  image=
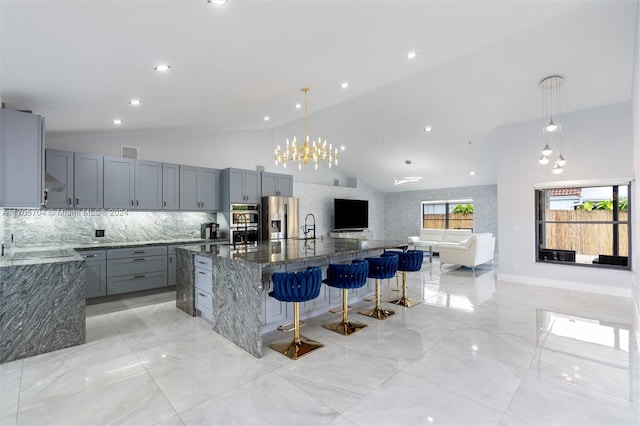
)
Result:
{"points": [[452, 214], [587, 225]]}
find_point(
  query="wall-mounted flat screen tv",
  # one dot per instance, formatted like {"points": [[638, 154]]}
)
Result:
{"points": [[350, 214]]}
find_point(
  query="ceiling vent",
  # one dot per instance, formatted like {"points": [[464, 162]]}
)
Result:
{"points": [[129, 152]]}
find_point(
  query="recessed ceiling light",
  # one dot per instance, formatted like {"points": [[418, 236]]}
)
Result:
{"points": [[116, 121], [342, 147], [162, 67], [407, 161], [344, 85], [298, 106], [428, 129], [472, 173], [411, 55], [135, 102], [266, 118], [217, 2]]}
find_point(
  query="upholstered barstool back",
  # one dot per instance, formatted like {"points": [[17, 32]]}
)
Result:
{"points": [[409, 261], [346, 277], [383, 267], [297, 287]]}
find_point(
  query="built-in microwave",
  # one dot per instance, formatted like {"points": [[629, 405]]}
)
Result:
{"points": [[242, 236], [245, 215]]}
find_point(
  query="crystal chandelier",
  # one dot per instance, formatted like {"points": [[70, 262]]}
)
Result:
{"points": [[309, 151], [552, 122]]}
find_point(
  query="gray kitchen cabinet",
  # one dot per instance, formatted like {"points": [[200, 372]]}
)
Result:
{"points": [[203, 286], [275, 311], [119, 183], [240, 186], [199, 188], [58, 181], [96, 268], [148, 185], [277, 184], [21, 159], [88, 181], [171, 269], [170, 186], [136, 268]]}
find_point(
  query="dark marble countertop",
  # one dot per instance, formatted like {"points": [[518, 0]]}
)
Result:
{"points": [[293, 250], [68, 252]]}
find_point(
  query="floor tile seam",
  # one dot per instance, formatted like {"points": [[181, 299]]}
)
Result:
{"points": [[19, 391]]}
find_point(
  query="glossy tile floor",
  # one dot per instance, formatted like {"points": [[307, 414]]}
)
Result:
{"points": [[477, 351]]}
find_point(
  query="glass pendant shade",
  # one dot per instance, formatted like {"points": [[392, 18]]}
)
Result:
{"points": [[557, 169], [546, 151], [561, 161], [552, 127], [543, 160]]}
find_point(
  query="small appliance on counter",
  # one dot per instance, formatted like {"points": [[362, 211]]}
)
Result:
{"points": [[209, 231]]}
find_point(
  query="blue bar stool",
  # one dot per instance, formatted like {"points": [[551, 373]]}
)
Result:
{"points": [[408, 261], [383, 267], [346, 277], [297, 287]]}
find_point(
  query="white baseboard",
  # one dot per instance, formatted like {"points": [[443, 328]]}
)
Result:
{"points": [[566, 285]]}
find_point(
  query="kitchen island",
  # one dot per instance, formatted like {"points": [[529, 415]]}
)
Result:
{"points": [[240, 278]]}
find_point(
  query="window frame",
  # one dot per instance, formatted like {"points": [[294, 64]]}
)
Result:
{"points": [[447, 205], [539, 221]]}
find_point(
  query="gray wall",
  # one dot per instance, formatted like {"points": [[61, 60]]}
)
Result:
{"points": [[402, 210], [318, 199]]}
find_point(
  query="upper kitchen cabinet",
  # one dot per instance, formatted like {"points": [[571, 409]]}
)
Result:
{"points": [[21, 159], [119, 183], [88, 181], [170, 186], [277, 184], [135, 184], [199, 188], [240, 186], [58, 178]]}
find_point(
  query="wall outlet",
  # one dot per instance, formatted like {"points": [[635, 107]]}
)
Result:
{"points": [[99, 232]]}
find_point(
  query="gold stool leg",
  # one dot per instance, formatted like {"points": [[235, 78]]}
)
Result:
{"points": [[300, 345], [378, 312], [345, 327], [404, 300]]}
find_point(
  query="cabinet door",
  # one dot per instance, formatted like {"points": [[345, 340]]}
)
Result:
{"points": [[88, 183], [119, 188], [148, 181], [21, 159], [236, 186], [252, 187], [275, 311], [189, 188], [96, 279], [210, 184], [171, 269], [58, 182], [285, 185], [170, 186], [269, 184]]}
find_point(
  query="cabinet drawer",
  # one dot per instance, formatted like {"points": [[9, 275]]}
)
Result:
{"points": [[136, 252], [204, 301], [204, 262], [92, 255], [136, 265], [204, 279], [128, 283]]}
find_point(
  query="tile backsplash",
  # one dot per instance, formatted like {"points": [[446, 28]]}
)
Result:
{"points": [[77, 227]]}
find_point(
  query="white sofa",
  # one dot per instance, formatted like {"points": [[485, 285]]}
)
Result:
{"points": [[432, 239], [478, 249]]}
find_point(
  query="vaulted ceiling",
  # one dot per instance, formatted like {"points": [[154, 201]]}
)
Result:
{"points": [[478, 66]]}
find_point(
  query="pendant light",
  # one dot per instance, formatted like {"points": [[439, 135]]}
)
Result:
{"points": [[552, 122]]}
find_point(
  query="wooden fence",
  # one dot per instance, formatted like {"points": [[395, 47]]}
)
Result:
{"points": [[456, 220], [591, 239]]}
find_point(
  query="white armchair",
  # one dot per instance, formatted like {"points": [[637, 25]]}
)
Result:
{"points": [[476, 250]]}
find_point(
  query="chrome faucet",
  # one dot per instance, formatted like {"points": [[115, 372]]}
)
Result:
{"points": [[306, 229]]}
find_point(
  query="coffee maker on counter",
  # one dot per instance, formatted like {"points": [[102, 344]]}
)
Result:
{"points": [[209, 231]]}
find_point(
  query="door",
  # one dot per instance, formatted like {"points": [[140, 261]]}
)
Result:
{"points": [[210, 184], [148, 183], [236, 186], [269, 184], [170, 186], [171, 270], [88, 183], [252, 188], [96, 279], [189, 188], [119, 188], [285, 185], [58, 182]]}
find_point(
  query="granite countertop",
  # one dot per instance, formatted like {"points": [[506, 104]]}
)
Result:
{"points": [[68, 252], [292, 250]]}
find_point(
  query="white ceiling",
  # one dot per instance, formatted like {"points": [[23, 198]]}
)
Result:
{"points": [[478, 67]]}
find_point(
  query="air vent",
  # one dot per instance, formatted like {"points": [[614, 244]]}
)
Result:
{"points": [[129, 151]]}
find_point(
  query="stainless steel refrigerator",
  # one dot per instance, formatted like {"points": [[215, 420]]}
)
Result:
{"points": [[279, 218]]}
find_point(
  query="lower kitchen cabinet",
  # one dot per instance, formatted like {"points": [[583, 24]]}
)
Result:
{"points": [[204, 286], [136, 268], [129, 283], [96, 271]]}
